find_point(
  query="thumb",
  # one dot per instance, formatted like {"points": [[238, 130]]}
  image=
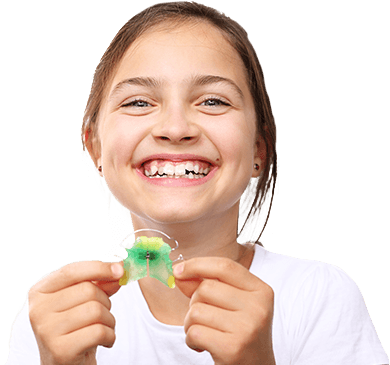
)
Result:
{"points": [[188, 287], [111, 287]]}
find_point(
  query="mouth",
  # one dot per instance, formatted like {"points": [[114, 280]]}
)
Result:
{"points": [[160, 169], [176, 167]]}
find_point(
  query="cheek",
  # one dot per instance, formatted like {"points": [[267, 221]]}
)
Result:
{"points": [[119, 142], [237, 143]]}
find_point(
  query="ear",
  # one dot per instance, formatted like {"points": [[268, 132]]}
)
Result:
{"points": [[92, 143], [260, 151], [260, 155]]}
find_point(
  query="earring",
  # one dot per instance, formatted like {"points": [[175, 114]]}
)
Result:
{"points": [[100, 169], [256, 166]]}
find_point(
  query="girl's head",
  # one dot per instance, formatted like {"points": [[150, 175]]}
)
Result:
{"points": [[181, 78]]}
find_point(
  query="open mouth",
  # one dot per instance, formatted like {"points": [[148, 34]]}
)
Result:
{"points": [[160, 169]]}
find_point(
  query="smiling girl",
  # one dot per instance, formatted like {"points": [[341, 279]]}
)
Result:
{"points": [[178, 123]]}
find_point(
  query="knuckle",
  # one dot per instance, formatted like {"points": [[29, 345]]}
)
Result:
{"points": [[39, 329], [269, 292], [207, 285], [195, 312], [109, 303], [111, 338], [193, 334], [264, 297], [103, 267], [100, 333], [103, 335], [204, 289], [66, 271], [95, 310], [261, 321], [226, 265], [36, 288], [31, 294], [34, 310], [113, 320], [88, 290]]}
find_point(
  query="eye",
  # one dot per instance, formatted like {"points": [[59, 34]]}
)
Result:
{"points": [[137, 103], [214, 102]]}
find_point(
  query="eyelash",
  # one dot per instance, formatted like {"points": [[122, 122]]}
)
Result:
{"points": [[133, 103], [216, 100]]}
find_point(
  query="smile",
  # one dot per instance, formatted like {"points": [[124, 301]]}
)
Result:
{"points": [[160, 169], [176, 170]]}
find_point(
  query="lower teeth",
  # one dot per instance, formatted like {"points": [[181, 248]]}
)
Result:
{"points": [[200, 176]]}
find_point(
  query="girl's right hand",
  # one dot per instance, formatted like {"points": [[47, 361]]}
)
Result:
{"points": [[70, 312]]}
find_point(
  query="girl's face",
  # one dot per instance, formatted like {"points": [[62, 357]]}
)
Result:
{"points": [[179, 106]]}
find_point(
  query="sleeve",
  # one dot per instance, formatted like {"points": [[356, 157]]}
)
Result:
{"points": [[23, 346], [330, 322]]}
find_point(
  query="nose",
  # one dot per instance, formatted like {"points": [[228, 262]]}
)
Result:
{"points": [[176, 127]]}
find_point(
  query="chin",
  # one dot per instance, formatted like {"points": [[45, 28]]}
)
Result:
{"points": [[169, 216]]}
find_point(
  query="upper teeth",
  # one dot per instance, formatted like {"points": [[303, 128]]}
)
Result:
{"points": [[194, 169]]}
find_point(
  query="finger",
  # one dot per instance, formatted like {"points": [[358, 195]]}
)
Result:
{"points": [[203, 338], [220, 295], [87, 338], [220, 268], [77, 272], [84, 315], [78, 294], [188, 287], [209, 316], [109, 287]]}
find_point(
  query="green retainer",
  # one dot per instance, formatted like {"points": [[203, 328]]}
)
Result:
{"points": [[152, 251]]}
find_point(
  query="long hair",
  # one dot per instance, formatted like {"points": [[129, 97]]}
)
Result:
{"points": [[172, 14]]}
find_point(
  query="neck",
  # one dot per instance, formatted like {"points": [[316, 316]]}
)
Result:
{"points": [[212, 236]]}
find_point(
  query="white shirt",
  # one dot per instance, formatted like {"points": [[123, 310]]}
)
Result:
{"points": [[319, 318]]}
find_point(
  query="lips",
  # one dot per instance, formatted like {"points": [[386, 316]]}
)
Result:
{"points": [[175, 158], [176, 170]]}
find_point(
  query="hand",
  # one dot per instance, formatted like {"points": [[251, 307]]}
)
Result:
{"points": [[70, 312], [230, 313]]}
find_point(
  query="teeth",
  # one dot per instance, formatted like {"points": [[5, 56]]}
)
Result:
{"points": [[180, 169], [189, 166], [169, 169], [153, 170], [189, 170]]}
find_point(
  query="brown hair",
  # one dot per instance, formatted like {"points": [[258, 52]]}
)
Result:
{"points": [[177, 13]]}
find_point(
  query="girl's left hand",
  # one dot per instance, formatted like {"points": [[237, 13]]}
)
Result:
{"points": [[231, 311]]}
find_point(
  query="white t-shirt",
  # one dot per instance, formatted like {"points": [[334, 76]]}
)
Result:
{"points": [[319, 318]]}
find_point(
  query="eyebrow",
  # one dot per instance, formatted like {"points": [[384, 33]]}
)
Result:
{"points": [[197, 80]]}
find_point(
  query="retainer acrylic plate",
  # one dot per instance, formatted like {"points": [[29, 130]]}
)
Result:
{"points": [[148, 255]]}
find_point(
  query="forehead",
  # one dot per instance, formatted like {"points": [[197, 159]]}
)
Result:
{"points": [[176, 52]]}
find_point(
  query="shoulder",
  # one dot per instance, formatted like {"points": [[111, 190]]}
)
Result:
{"points": [[316, 301], [295, 277]]}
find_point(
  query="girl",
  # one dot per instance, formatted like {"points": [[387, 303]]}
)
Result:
{"points": [[180, 84]]}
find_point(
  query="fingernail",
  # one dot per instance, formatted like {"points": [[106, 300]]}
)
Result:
{"points": [[117, 270], [178, 269]]}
